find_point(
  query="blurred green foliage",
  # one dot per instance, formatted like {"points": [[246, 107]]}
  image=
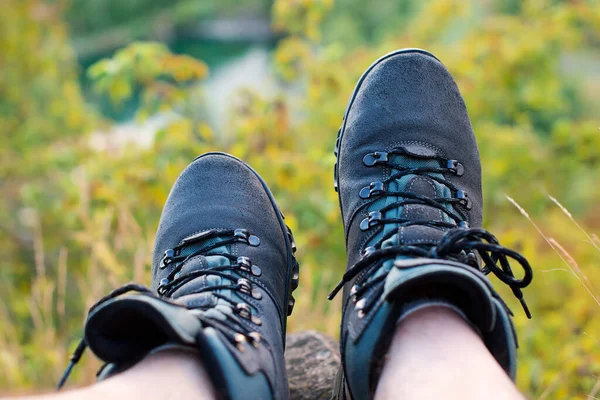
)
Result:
{"points": [[100, 25], [79, 208], [92, 16]]}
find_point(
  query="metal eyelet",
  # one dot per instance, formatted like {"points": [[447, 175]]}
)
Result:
{"points": [[244, 310], [335, 177], [240, 340], [456, 167], [256, 338], [376, 157], [360, 304], [167, 258], [161, 288], [291, 238], [353, 290], [464, 199], [246, 265], [243, 235], [290, 305], [471, 259], [372, 220], [368, 251], [245, 285], [373, 189], [463, 225]]}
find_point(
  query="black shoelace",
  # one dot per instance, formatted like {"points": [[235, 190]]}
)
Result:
{"points": [[460, 243], [231, 327]]}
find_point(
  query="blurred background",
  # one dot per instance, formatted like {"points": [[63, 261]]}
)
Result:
{"points": [[104, 102]]}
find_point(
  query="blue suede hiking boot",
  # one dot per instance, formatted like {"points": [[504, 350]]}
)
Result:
{"points": [[222, 280], [409, 181]]}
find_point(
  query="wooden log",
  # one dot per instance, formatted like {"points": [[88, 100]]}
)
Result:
{"points": [[312, 361]]}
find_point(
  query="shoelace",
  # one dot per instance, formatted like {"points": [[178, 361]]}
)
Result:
{"points": [[231, 327], [460, 243]]}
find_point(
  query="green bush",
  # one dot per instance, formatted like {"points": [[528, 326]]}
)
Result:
{"points": [[77, 220]]}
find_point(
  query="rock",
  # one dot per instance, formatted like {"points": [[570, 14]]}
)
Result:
{"points": [[312, 362]]}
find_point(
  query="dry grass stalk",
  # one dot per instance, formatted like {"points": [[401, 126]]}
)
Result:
{"points": [[574, 268], [592, 394], [558, 249], [62, 284], [595, 243]]}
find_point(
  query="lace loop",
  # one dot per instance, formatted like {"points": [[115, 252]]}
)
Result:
{"points": [[459, 243], [175, 280]]}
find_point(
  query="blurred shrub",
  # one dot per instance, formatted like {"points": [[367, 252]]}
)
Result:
{"points": [[77, 219]]}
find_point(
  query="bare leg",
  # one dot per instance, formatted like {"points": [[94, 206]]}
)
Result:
{"points": [[163, 376], [435, 354]]}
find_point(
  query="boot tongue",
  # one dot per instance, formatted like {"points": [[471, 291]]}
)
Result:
{"points": [[188, 293], [410, 235], [414, 234], [421, 185]]}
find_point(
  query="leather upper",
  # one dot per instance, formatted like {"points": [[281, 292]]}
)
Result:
{"points": [[407, 99]]}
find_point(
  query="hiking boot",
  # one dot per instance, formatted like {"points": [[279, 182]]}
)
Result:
{"points": [[222, 279], [409, 181]]}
